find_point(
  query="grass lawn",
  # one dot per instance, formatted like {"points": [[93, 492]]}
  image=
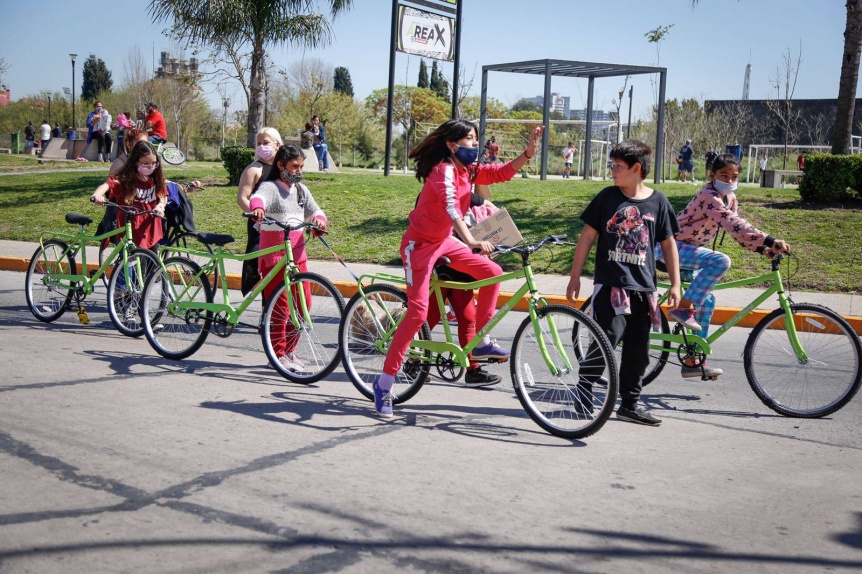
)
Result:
{"points": [[368, 215]]}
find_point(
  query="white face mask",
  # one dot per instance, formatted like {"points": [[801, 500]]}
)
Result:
{"points": [[724, 188]]}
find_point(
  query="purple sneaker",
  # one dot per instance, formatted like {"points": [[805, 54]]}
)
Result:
{"points": [[491, 351], [382, 401]]}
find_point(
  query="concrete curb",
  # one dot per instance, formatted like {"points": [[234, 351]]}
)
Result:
{"points": [[348, 289]]}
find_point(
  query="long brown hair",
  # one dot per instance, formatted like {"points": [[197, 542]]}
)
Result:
{"points": [[128, 176], [433, 149]]}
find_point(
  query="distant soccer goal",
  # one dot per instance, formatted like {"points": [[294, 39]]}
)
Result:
{"points": [[775, 153]]}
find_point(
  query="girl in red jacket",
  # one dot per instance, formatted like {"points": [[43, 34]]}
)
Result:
{"points": [[446, 163]]}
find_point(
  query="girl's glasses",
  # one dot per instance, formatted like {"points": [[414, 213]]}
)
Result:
{"points": [[618, 167]]}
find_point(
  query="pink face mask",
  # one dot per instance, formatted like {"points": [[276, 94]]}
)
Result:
{"points": [[265, 152], [147, 170]]}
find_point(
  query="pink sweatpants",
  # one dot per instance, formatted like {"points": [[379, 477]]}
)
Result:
{"points": [[419, 257]]}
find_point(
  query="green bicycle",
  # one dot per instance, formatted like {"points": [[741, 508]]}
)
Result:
{"points": [[53, 280], [179, 302], [801, 360], [546, 374]]}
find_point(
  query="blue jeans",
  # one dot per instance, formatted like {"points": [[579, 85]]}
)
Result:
{"points": [[321, 149]]}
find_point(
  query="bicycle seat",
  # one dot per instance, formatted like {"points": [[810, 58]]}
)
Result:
{"points": [[660, 266], [78, 219], [219, 239], [442, 261]]}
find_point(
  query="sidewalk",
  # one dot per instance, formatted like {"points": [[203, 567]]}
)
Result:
{"points": [[14, 254]]}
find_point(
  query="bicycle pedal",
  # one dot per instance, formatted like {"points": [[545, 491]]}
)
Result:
{"points": [[82, 316]]}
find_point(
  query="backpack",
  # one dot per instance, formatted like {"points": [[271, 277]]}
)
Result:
{"points": [[179, 212]]}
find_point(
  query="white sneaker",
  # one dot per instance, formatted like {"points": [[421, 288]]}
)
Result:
{"points": [[291, 362]]}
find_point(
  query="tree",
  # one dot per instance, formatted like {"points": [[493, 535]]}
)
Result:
{"points": [[241, 30], [4, 67], [785, 77], [97, 78], [341, 81], [423, 75], [438, 83], [526, 106], [849, 77], [411, 106]]}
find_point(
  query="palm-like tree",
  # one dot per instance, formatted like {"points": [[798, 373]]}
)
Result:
{"points": [[849, 78], [237, 25]]}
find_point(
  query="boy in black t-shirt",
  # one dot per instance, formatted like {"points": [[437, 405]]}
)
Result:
{"points": [[628, 219]]}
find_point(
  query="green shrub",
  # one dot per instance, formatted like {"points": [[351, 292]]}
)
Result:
{"points": [[832, 178], [235, 159]]}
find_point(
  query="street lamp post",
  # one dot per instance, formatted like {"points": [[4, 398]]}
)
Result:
{"points": [[49, 109], [73, 56], [629, 127], [225, 103]]}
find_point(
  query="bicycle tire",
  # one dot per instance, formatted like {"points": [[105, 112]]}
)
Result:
{"points": [[124, 301], [173, 155], [191, 241], [817, 387], [565, 404], [657, 359], [176, 333], [315, 345], [359, 336], [47, 302]]}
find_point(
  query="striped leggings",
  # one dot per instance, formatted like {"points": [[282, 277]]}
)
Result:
{"points": [[707, 267]]}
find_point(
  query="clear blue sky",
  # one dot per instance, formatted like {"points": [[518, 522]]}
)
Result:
{"points": [[705, 52]]}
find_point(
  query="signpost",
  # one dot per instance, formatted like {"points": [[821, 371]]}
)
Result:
{"points": [[434, 35]]}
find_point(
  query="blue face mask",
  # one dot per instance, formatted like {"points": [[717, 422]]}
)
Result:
{"points": [[467, 155], [724, 188]]}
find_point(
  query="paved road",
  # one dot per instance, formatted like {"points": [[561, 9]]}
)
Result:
{"points": [[115, 460]]}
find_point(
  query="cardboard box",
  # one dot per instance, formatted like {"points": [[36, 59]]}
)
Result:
{"points": [[499, 228]]}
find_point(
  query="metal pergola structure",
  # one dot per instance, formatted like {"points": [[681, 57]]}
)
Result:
{"points": [[589, 70]]}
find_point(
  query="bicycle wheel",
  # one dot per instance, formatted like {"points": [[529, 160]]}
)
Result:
{"points": [[191, 241], [658, 354], [364, 336], [173, 155], [47, 297], [572, 403], [174, 327], [312, 350], [819, 386], [125, 293]]}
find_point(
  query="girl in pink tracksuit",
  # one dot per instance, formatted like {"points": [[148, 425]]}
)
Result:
{"points": [[446, 163]]}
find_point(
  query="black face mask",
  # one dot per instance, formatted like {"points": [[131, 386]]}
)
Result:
{"points": [[291, 178]]}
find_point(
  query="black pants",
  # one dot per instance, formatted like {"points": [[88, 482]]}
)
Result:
{"points": [[250, 274], [103, 142], [634, 329]]}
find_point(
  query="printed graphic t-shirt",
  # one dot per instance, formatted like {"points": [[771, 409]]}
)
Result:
{"points": [[146, 229], [628, 230]]}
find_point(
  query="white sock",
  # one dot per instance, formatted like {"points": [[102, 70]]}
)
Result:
{"points": [[385, 382]]}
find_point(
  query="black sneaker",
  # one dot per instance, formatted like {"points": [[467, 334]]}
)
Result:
{"points": [[480, 378], [637, 415]]}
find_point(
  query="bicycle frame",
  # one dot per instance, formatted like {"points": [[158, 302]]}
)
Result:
{"points": [[776, 287], [217, 260], [77, 244], [449, 346]]}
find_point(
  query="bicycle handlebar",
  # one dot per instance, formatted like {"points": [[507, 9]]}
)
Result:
{"points": [[287, 226], [130, 210], [502, 249]]}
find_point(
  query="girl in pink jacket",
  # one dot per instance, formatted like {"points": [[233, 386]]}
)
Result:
{"points": [[714, 208], [446, 163]]}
